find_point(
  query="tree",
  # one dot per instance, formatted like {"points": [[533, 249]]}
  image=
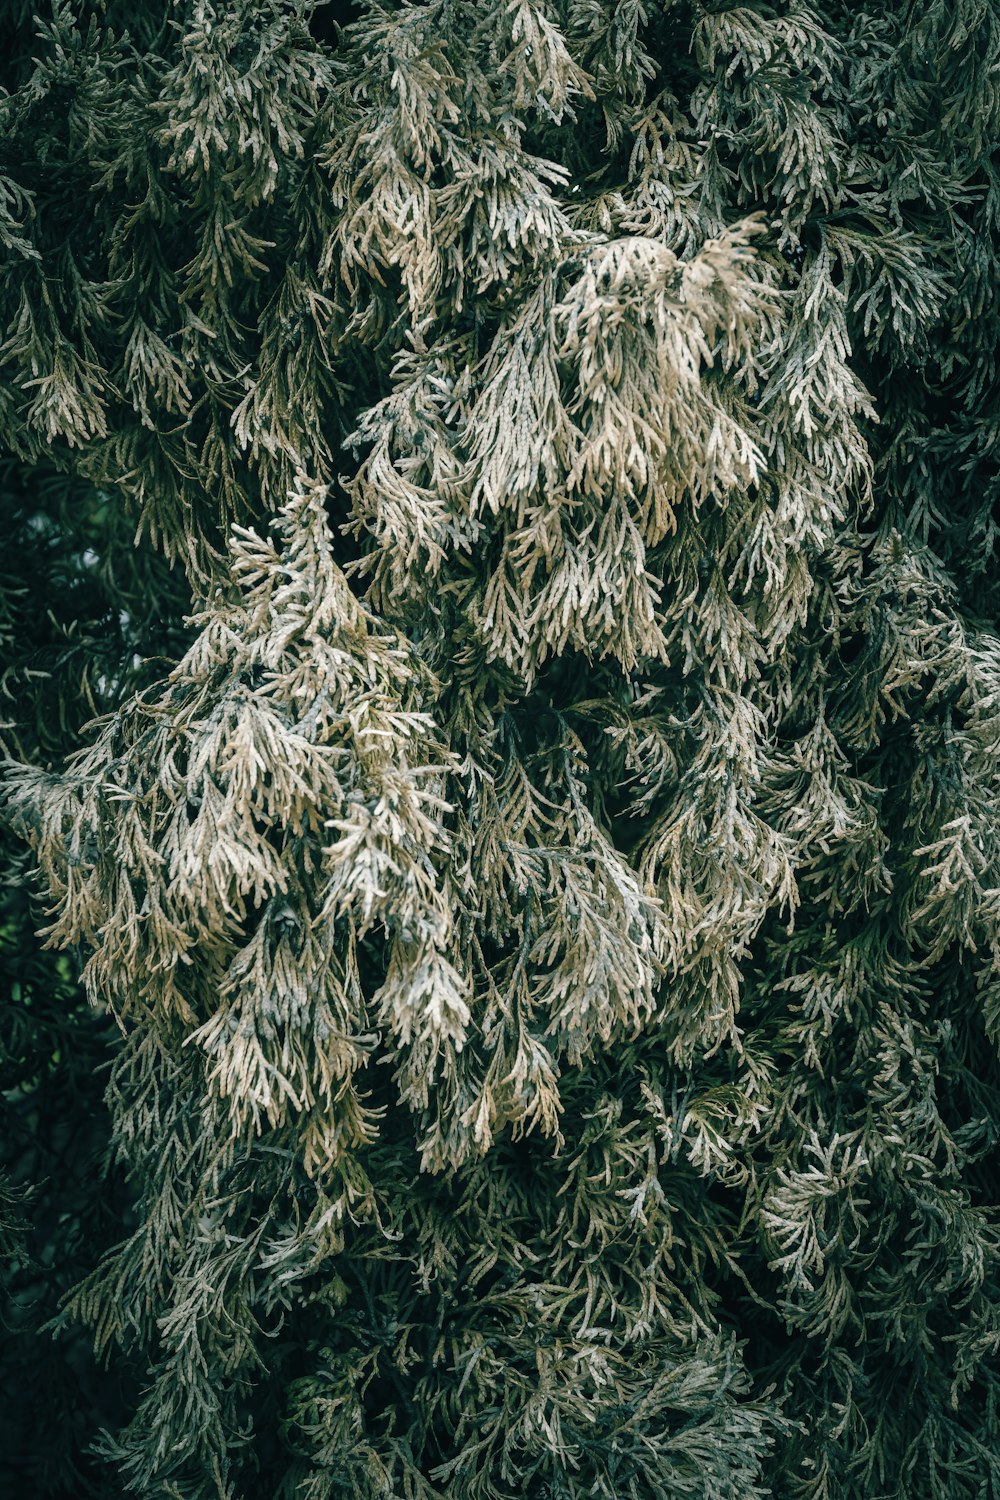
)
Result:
{"points": [[515, 484]]}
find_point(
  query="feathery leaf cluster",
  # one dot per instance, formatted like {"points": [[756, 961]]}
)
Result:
{"points": [[513, 488]]}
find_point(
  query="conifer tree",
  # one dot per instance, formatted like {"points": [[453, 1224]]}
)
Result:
{"points": [[501, 715]]}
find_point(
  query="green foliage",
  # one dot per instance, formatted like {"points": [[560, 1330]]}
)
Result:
{"points": [[539, 904], [81, 625]]}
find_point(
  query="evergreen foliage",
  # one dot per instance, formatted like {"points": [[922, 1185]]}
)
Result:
{"points": [[512, 487]]}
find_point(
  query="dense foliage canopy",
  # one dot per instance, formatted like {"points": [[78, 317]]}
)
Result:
{"points": [[501, 696]]}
